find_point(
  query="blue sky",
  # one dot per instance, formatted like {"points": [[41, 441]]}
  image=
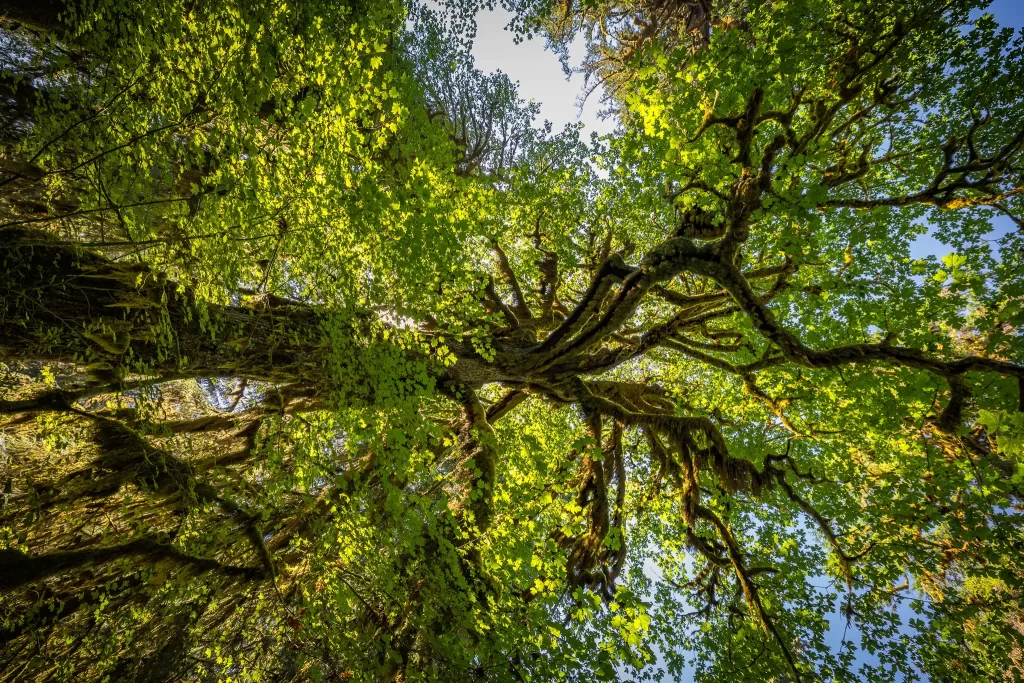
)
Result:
{"points": [[1009, 12]]}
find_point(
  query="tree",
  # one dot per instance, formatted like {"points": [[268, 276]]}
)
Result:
{"points": [[324, 363]]}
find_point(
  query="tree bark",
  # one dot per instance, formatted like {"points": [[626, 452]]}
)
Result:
{"points": [[40, 15], [65, 304], [18, 569], [62, 303]]}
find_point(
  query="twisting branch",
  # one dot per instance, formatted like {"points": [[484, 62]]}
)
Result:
{"points": [[519, 305], [616, 557], [846, 560], [662, 263], [495, 300], [978, 181], [750, 589], [547, 264], [775, 405], [583, 565], [505, 405], [794, 350], [477, 459], [613, 270], [20, 569]]}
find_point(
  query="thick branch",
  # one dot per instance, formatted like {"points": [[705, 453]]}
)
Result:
{"points": [[19, 569]]}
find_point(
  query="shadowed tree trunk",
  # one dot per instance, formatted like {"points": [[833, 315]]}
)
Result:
{"points": [[62, 303], [40, 15]]}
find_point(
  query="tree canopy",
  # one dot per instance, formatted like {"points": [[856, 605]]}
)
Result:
{"points": [[323, 359]]}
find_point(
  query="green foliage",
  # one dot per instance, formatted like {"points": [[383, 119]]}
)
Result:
{"points": [[325, 361]]}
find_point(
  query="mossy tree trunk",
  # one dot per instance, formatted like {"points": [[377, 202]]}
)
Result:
{"points": [[65, 304]]}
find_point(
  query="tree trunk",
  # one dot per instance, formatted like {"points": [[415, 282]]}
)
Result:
{"points": [[18, 569], [64, 304], [40, 15]]}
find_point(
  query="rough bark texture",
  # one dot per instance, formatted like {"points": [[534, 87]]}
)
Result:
{"points": [[40, 15], [67, 304]]}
